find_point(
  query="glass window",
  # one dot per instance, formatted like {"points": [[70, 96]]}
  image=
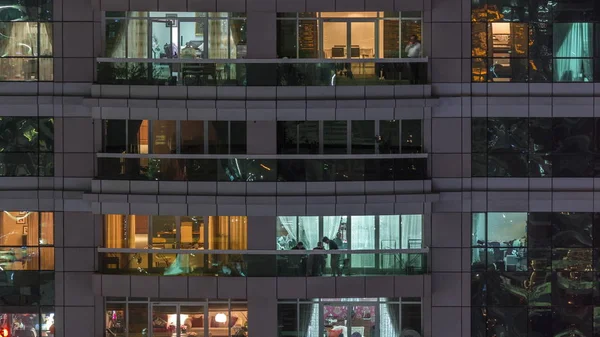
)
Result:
{"points": [[164, 231], [192, 232], [137, 319], [572, 44], [347, 35], [26, 46], [115, 139], [115, 319], [412, 136], [335, 139], [363, 137], [227, 232], [237, 137], [287, 37], [164, 137], [182, 34], [389, 137], [26, 229], [507, 229], [138, 135], [218, 137], [192, 137]]}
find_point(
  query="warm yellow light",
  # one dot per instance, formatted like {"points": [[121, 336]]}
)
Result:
{"points": [[221, 318]]}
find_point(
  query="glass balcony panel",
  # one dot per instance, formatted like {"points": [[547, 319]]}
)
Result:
{"points": [[265, 170], [257, 265], [171, 72]]}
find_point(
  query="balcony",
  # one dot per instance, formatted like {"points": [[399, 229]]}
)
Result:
{"points": [[272, 72], [262, 263], [249, 168]]}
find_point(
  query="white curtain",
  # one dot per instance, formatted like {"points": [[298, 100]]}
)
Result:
{"points": [[412, 231], [572, 44], [331, 225], [389, 232], [362, 229], [291, 227], [308, 231], [137, 36]]}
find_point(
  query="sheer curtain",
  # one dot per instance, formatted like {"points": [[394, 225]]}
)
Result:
{"points": [[362, 229], [572, 44], [308, 231], [331, 226], [218, 36], [411, 231], [137, 36], [288, 235]]}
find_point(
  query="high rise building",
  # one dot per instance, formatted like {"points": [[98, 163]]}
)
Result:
{"points": [[299, 168]]}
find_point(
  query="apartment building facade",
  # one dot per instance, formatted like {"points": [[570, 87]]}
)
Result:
{"points": [[376, 168]]}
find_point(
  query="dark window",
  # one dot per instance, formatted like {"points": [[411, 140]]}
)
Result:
{"points": [[363, 137], [192, 137], [412, 137], [335, 139]]}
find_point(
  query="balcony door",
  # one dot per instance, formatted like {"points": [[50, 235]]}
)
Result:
{"points": [[349, 39], [164, 38]]}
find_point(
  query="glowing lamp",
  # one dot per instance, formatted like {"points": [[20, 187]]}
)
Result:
{"points": [[4, 332], [221, 318]]}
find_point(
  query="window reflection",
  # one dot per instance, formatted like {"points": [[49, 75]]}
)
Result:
{"points": [[535, 147], [555, 290]]}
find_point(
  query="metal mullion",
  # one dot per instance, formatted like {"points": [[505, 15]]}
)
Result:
{"points": [[126, 317], [349, 41], [377, 135], [400, 136], [349, 137], [178, 137], [205, 138], [228, 137], [377, 240], [127, 149], [178, 231], [298, 138], [376, 53], [150, 310], [297, 22], [150, 142], [321, 137]]}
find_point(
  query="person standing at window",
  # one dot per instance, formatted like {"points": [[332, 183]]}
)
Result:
{"points": [[413, 50], [335, 258]]}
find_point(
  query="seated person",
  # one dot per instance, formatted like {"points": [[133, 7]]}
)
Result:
{"points": [[189, 52]]}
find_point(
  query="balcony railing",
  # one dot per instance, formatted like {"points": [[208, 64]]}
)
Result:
{"points": [[245, 168], [257, 263], [270, 72]]}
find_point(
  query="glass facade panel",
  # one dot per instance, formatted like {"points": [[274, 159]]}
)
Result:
{"points": [[542, 280], [533, 41], [535, 147]]}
